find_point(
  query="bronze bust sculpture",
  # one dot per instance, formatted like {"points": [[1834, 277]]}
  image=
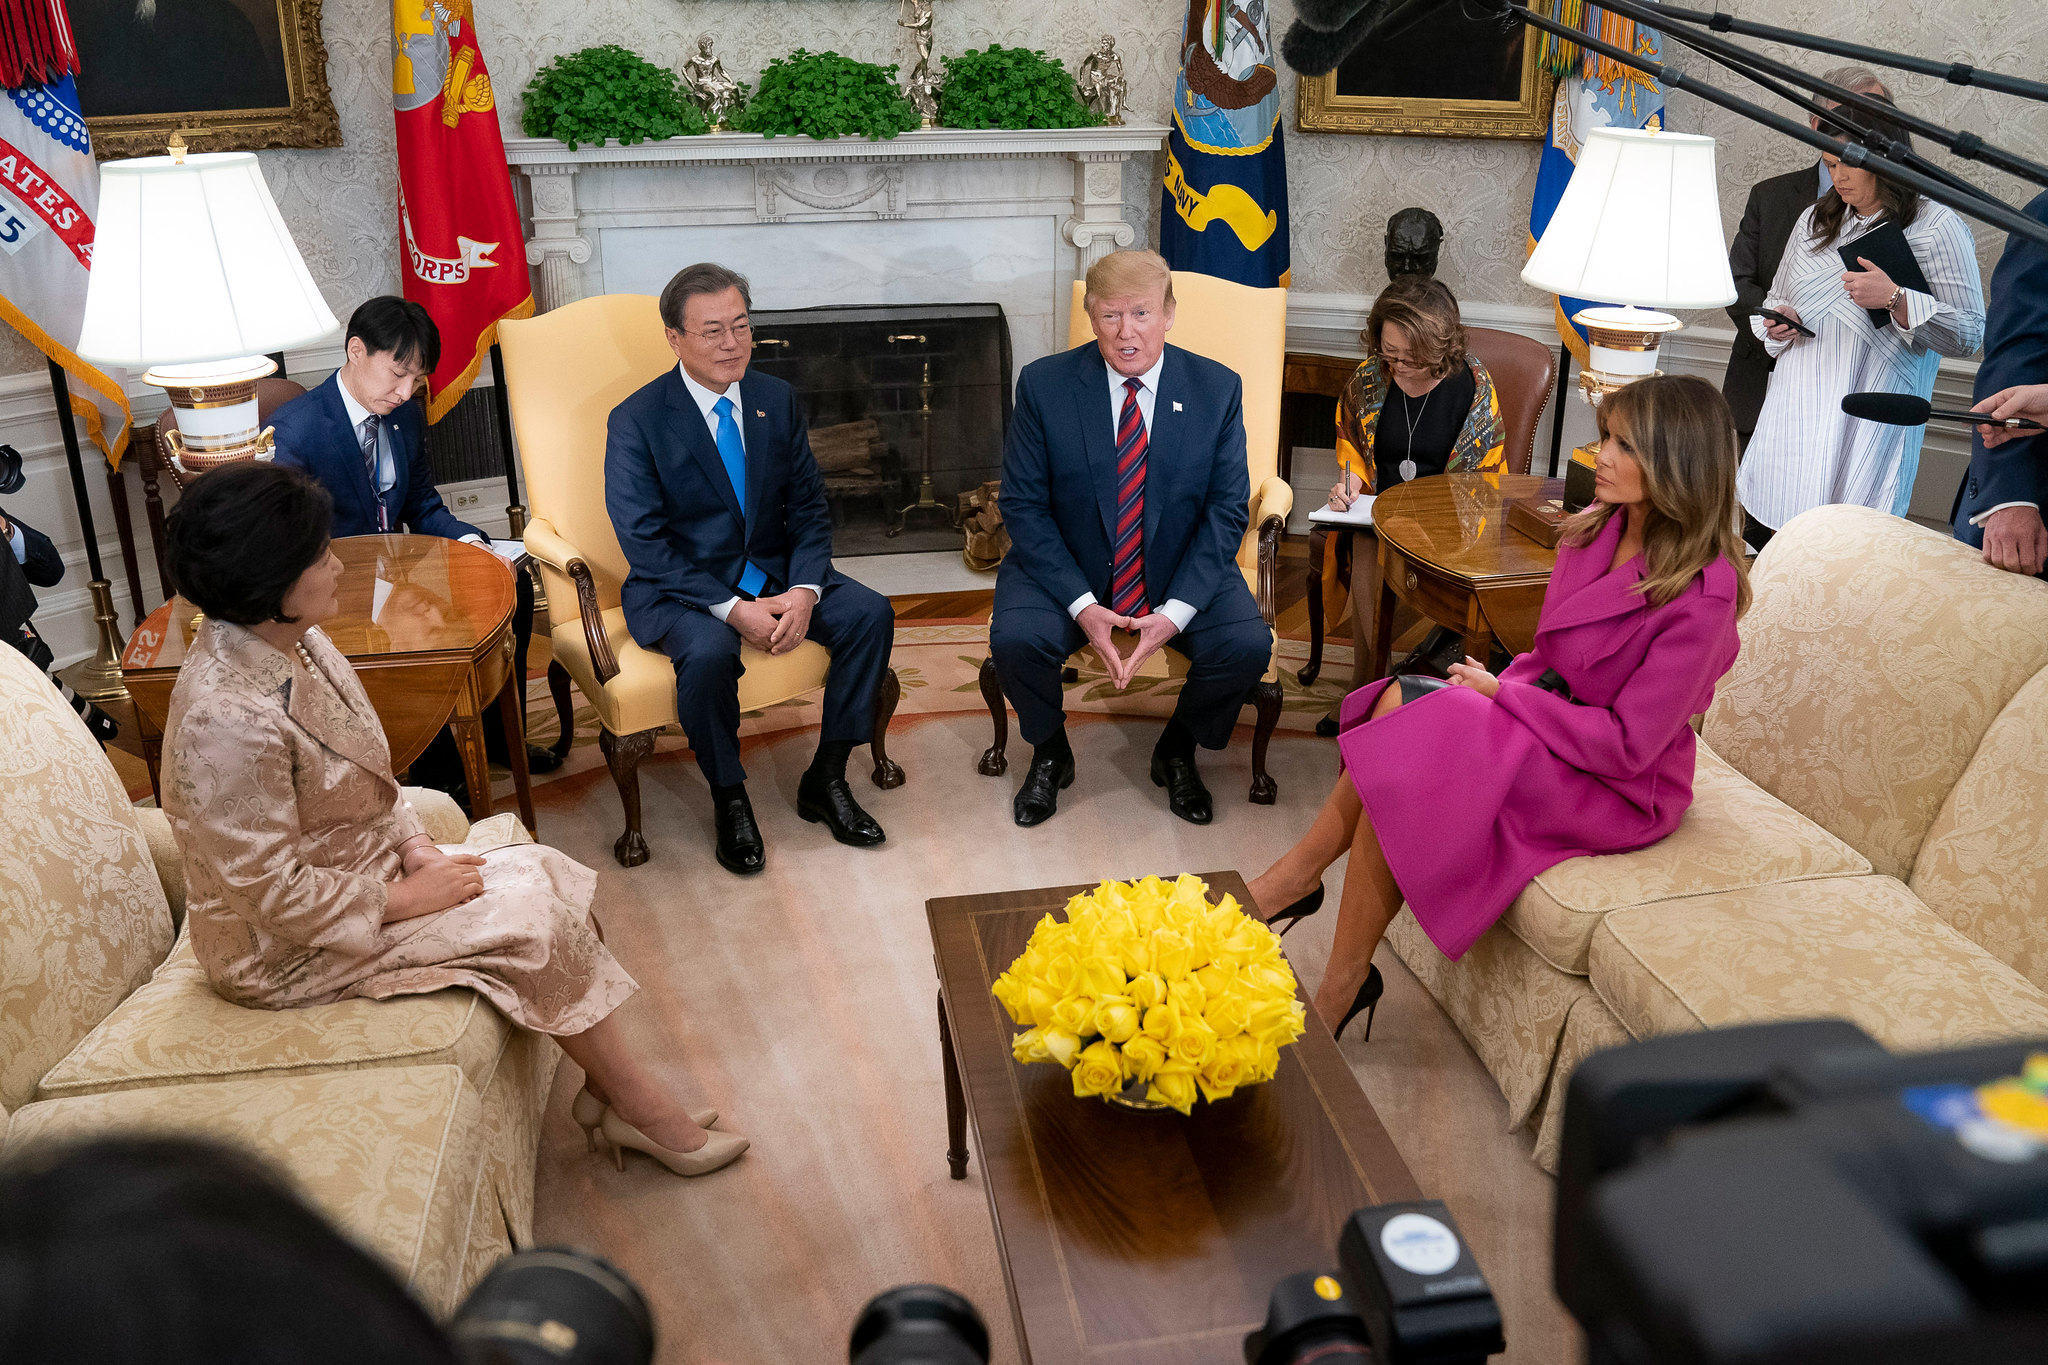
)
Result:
{"points": [[1414, 236]]}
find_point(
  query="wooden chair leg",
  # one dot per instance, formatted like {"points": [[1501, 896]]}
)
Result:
{"points": [[624, 754], [1266, 697], [995, 762], [565, 706], [888, 774]]}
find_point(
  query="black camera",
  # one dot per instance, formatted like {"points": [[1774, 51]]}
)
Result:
{"points": [[1794, 1192], [554, 1306], [918, 1324], [1410, 1294], [11, 477]]}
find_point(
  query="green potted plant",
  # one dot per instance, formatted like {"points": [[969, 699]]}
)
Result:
{"points": [[607, 92], [1010, 87], [824, 95]]}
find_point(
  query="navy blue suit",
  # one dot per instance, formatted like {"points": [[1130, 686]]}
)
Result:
{"points": [[687, 540], [2015, 352], [314, 434], [1059, 499]]}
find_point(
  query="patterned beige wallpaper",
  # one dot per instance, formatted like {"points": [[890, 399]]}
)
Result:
{"points": [[339, 203]]}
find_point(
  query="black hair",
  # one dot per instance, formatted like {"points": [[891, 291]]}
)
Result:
{"points": [[701, 278], [398, 327], [176, 1252], [1897, 203], [242, 535]]}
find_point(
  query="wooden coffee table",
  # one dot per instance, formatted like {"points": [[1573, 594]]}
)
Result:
{"points": [[426, 622], [1144, 1238], [1446, 550]]}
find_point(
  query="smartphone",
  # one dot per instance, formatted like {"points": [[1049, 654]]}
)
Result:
{"points": [[1773, 315]]}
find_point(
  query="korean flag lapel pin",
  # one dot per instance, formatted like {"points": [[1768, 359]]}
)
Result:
{"points": [[1176, 405], [759, 413]]}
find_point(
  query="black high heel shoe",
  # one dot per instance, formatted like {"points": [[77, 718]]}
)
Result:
{"points": [[1367, 999], [1297, 912]]}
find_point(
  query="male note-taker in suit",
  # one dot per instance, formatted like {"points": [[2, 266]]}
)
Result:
{"points": [[1125, 494], [719, 506], [362, 434]]}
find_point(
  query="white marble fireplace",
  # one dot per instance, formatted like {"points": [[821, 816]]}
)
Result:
{"points": [[928, 217]]}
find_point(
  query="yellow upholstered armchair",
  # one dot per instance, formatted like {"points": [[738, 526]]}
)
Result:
{"points": [[1246, 329], [564, 373]]}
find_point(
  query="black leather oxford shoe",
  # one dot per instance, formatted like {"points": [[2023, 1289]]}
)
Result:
{"points": [[1185, 794], [1039, 797], [830, 800], [739, 839]]}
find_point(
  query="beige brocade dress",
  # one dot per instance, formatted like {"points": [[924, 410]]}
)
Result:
{"points": [[279, 788]]}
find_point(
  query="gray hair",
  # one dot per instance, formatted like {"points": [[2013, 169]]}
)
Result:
{"points": [[1858, 80], [701, 278]]}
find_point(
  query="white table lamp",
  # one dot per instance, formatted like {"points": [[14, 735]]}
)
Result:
{"points": [[195, 277], [1639, 226]]}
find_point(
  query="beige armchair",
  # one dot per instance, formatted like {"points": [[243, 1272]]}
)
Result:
{"points": [[1246, 329], [564, 373]]}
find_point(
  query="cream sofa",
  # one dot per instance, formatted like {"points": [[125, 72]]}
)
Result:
{"points": [[1868, 837], [412, 1123]]}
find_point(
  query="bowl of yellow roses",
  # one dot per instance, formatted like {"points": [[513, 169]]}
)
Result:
{"points": [[1152, 996]]}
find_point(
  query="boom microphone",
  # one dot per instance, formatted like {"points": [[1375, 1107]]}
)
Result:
{"points": [[1905, 410], [1312, 51]]}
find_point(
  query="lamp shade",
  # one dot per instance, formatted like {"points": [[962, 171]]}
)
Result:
{"points": [[1640, 223], [191, 262]]}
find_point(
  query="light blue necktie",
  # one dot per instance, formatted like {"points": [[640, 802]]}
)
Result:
{"points": [[734, 454]]}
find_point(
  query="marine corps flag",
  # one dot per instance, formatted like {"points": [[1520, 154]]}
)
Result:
{"points": [[1224, 210], [465, 258]]}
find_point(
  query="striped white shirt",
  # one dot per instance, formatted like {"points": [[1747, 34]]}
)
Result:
{"points": [[1806, 451]]}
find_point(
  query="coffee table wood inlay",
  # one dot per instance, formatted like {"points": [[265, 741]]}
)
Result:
{"points": [[1144, 1238]]}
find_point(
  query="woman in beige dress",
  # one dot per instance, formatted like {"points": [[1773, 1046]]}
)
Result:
{"points": [[311, 878]]}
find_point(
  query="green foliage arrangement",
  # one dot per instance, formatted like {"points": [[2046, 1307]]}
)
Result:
{"points": [[1010, 87], [825, 95], [608, 92]]}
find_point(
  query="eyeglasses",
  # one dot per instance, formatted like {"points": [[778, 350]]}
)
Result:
{"points": [[1401, 362], [739, 331]]}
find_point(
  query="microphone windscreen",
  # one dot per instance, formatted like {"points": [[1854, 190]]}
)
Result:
{"points": [[1892, 409], [1313, 52], [1331, 15]]}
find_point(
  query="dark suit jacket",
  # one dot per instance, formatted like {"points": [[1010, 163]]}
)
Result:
{"points": [[2015, 352], [42, 569], [1059, 484], [686, 538], [314, 434], [1767, 222]]}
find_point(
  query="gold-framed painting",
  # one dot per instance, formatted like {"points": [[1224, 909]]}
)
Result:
{"points": [[1442, 73], [249, 74]]}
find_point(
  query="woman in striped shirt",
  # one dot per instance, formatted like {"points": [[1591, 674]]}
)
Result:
{"points": [[1807, 452]]}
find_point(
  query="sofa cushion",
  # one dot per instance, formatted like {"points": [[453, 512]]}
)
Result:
{"points": [[1984, 865], [1857, 948], [1735, 835], [83, 920], [394, 1157], [176, 1029], [1876, 655]]}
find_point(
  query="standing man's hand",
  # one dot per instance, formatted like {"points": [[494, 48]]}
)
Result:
{"points": [[2016, 540], [755, 623], [1096, 622], [792, 613], [2021, 400], [1153, 630]]}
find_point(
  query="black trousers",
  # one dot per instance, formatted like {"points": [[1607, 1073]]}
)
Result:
{"points": [[1227, 652], [1755, 533], [854, 622]]}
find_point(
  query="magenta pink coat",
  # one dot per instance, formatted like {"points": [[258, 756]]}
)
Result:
{"points": [[1472, 796]]}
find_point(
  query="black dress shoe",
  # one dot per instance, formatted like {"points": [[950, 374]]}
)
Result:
{"points": [[829, 799], [1039, 797], [739, 839], [539, 760], [1185, 794]]}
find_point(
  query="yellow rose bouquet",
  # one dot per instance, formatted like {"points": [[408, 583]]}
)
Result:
{"points": [[1147, 983]]}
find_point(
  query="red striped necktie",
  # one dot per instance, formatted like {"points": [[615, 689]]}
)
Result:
{"points": [[1127, 563]]}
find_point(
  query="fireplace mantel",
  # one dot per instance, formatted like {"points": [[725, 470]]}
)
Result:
{"points": [[946, 215]]}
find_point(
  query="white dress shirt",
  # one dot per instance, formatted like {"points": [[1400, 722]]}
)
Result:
{"points": [[1173, 609], [707, 399], [387, 471], [17, 542]]}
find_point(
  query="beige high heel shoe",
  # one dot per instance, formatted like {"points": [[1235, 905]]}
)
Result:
{"points": [[719, 1149], [588, 1111]]}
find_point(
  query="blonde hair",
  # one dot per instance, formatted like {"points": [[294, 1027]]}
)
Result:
{"points": [[1427, 311], [1125, 274], [1684, 441]]}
